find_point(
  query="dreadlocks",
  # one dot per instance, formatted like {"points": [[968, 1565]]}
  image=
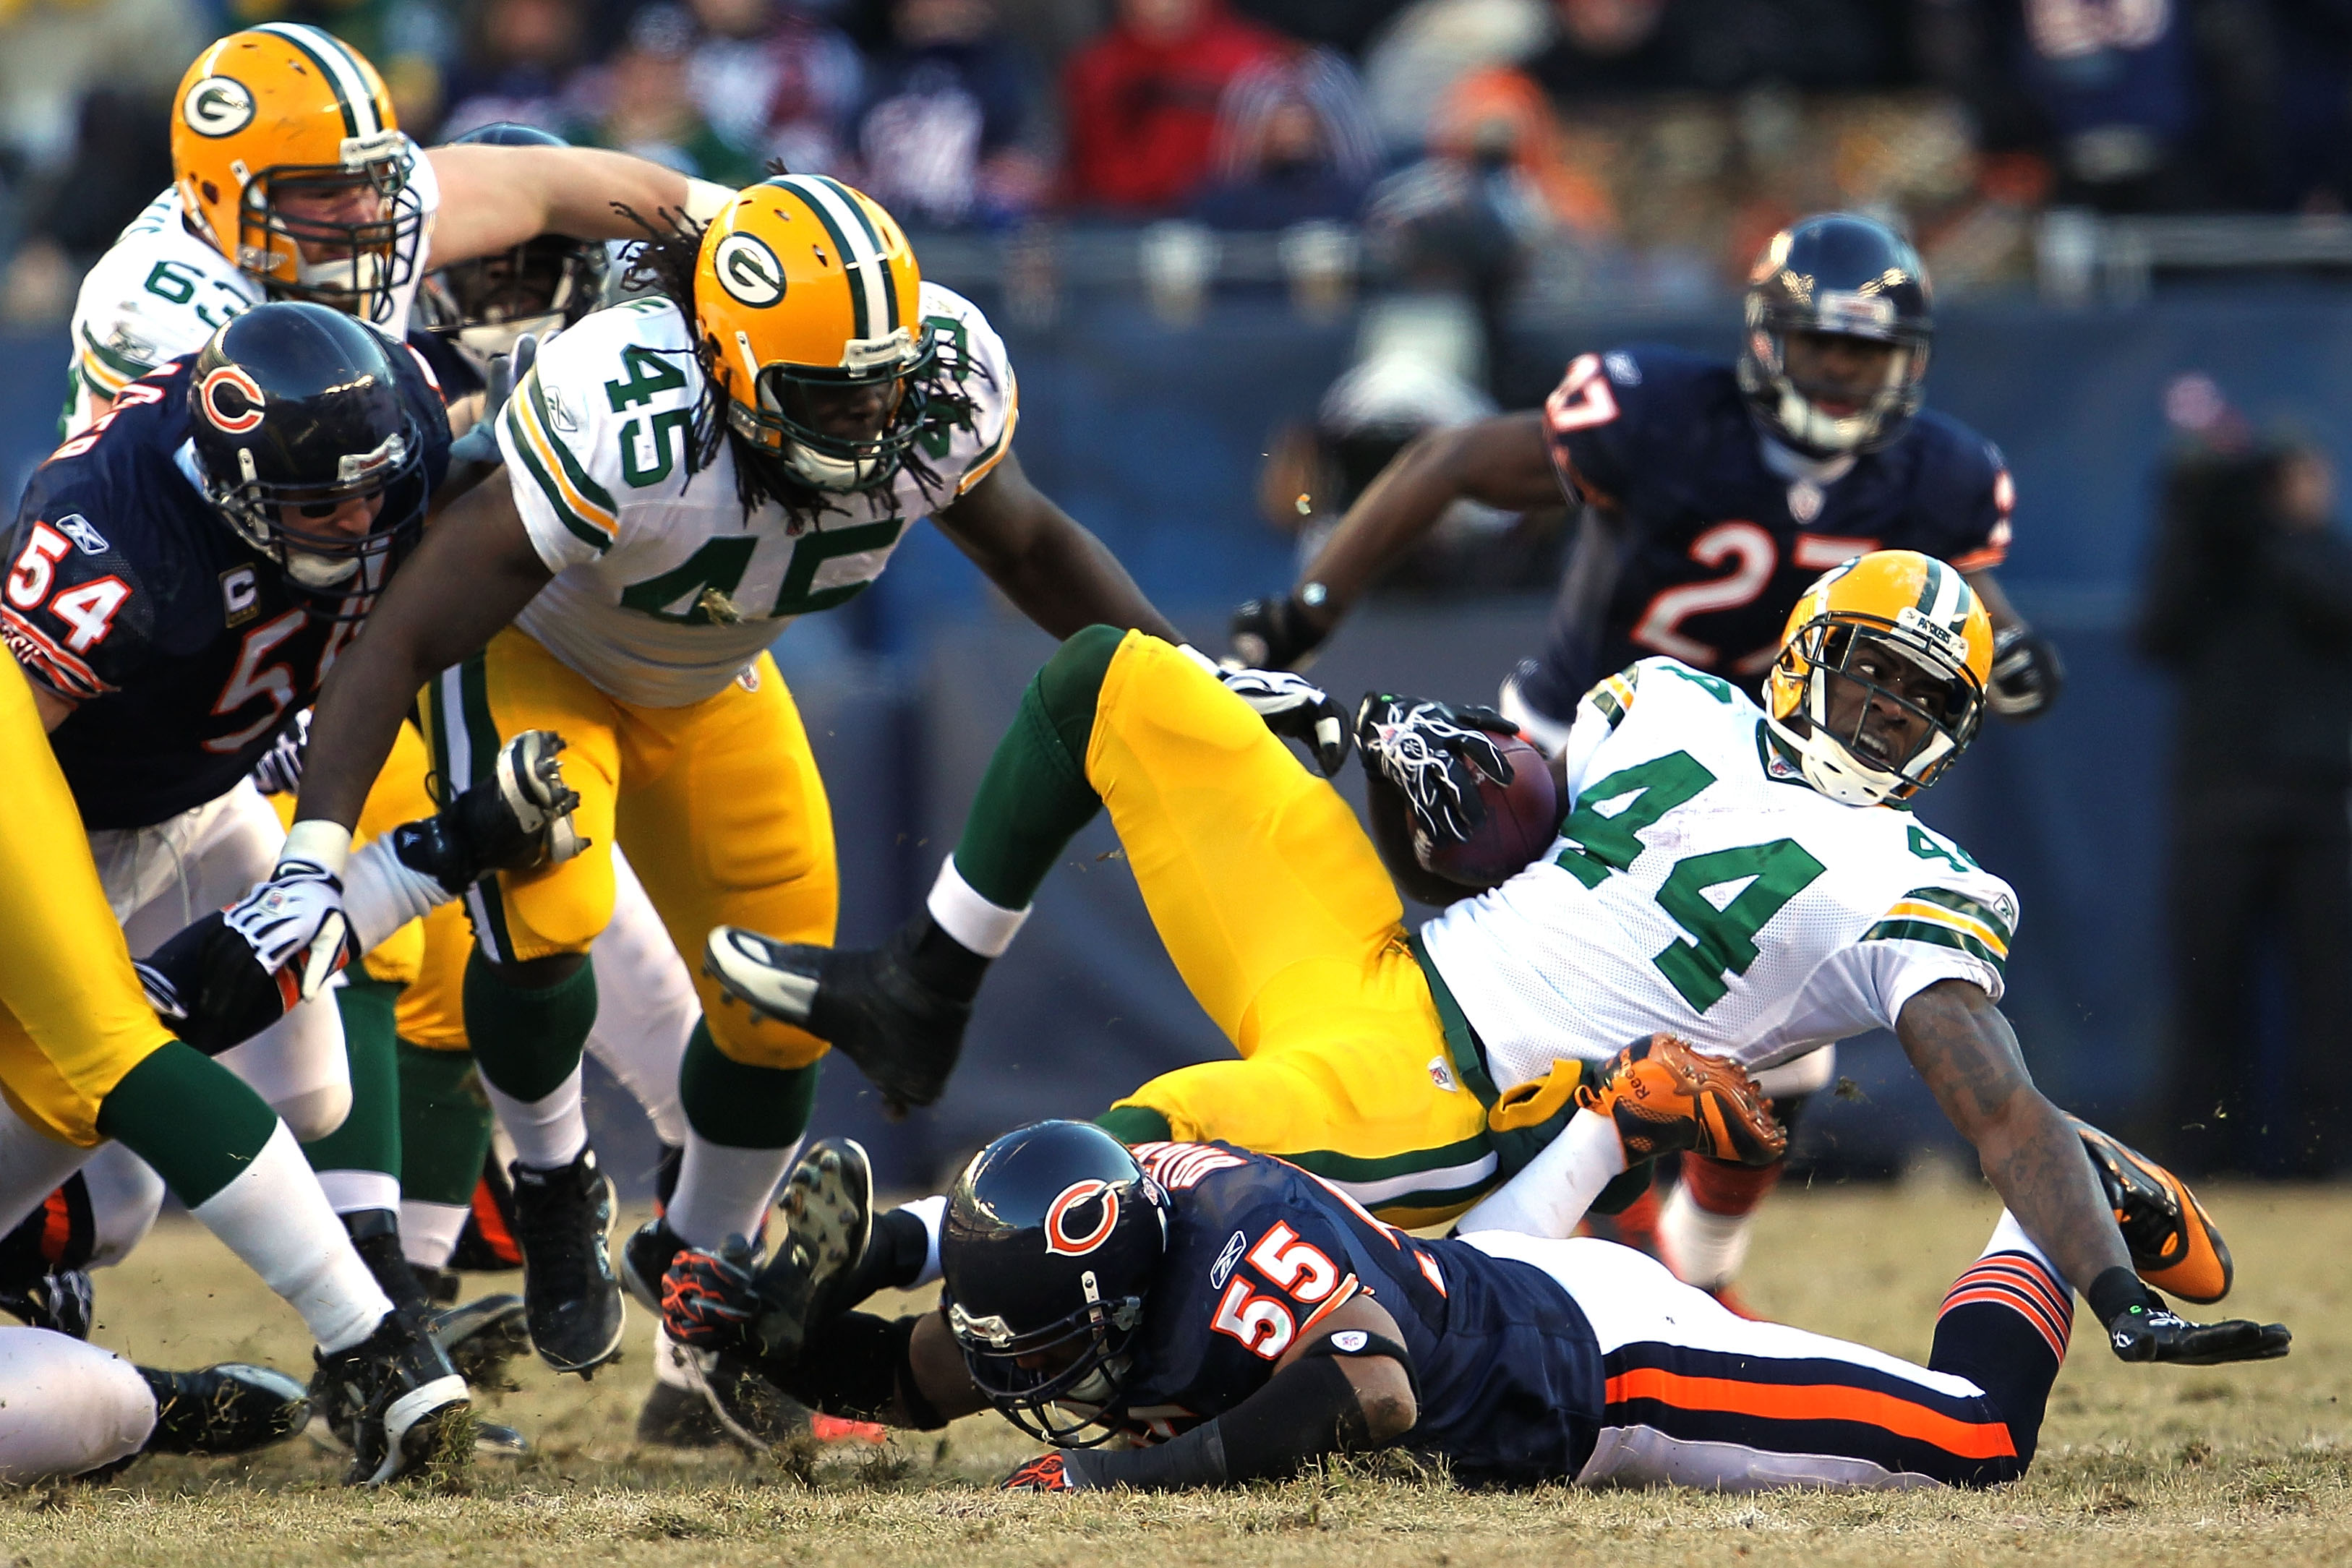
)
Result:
{"points": [[663, 264]]}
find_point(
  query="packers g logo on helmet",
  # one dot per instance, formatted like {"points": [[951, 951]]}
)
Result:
{"points": [[748, 270], [275, 124], [806, 294], [217, 106], [1915, 609]]}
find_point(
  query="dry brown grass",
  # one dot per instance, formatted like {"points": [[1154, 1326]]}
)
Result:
{"points": [[2138, 1466]]}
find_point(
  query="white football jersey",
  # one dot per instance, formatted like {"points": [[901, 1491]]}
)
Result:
{"points": [[163, 289], [1701, 887], [664, 590]]}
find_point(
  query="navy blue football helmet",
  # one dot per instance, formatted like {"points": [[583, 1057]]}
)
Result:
{"points": [[541, 286], [295, 411], [1054, 1237], [1843, 276]]}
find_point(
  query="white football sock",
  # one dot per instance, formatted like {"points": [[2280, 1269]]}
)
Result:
{"points": [[933, 1212], [724, 1191], [274, 1216], [1703, 1248], [2008, 1235], [429, 1232], [356, 1192], [66, 1408], [1550, 1194], [550, 1132], [985, 928], [381, 895]]}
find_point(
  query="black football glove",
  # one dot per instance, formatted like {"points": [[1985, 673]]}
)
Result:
{"points": [[1295, 709], [1434, 753], [2140, 1327], [2027, 674], [1273, 633], [710, 1300]]}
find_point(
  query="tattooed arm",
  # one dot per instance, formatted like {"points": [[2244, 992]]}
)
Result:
{"points": [[1968, 1054]]}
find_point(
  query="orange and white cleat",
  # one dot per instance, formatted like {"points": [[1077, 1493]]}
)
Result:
{"points": [[2174, 1243], [1663, 1095]]}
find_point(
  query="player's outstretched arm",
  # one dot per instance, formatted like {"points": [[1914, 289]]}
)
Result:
{"points": [[1504, 462], [1052, 570], [496, 197], [1345, 1388], [475, 571], [1968, 1053]]}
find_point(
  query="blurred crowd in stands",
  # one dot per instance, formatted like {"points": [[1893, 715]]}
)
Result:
{"points": [[1567, 145]]}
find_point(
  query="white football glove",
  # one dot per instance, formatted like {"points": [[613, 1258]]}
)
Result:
{"points": [[1293, 706], [295, 923]]}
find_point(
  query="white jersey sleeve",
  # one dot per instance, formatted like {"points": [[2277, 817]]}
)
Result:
{"points": [[977, 369], [1601, 711], [1956, 923], [559, 438], [157, 294]]}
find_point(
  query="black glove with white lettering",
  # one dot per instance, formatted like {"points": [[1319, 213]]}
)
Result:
{"points": [[1294, 708], [1434, 753], [2142, 1328]]}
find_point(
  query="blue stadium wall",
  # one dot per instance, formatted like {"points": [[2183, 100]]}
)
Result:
{"points": [[1152, 437]]}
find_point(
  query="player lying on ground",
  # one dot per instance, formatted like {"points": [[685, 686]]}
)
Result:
{"points": [[1229, 1317], [684, 473], [1418, 1072], [1709, 496], [70, 1410]]}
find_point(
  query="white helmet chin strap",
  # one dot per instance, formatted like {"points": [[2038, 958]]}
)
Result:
{"points": [[1833, 771]]}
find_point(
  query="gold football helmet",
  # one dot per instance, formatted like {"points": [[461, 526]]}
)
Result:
{"points": [[807, 298], [288, 158], [1896, 603]]}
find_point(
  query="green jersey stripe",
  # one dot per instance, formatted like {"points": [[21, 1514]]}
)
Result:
{"points": [[585, 532], [598, 495], [1960, 902], [122, 364], [1935, 936]]}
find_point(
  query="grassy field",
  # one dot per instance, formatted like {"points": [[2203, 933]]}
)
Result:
{"points": [[2138, 1466]]}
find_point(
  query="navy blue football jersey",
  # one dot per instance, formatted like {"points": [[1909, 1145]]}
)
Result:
{"points": [[1259, 1253], [129, 595], [1705, 546]]}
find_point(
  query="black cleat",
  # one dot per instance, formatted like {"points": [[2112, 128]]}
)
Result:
{"points": [[828, 1205], [750, 1410], [563, 1223], [676, 1418], [227, 1409], [375, 1237], [396, 1397], [645, 1257], [903, 1034], [517, 819], [60, 1301], [440, 1285], [481, 1337]]}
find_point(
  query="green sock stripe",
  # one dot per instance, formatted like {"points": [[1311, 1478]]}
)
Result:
{"points": [[739, 1106], [369, 1139], [191, 1118], [445, 1125], [1034, 797], [527, 1041]]}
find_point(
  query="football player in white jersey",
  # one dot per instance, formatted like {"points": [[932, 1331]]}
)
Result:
{"points": [[686, 473], [292, 180], [1743, 881]]}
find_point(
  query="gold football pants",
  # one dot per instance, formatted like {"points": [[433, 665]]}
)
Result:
{"points": [[717, 802], [1279, 915]]}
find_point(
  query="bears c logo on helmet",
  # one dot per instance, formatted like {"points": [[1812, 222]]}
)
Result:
{"points": [[748, 270], [1076, 1196], [231, 400], [217, 106]]}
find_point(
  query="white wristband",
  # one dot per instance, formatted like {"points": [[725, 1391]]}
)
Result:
{"points": [[705, 200], [319, 842]]}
